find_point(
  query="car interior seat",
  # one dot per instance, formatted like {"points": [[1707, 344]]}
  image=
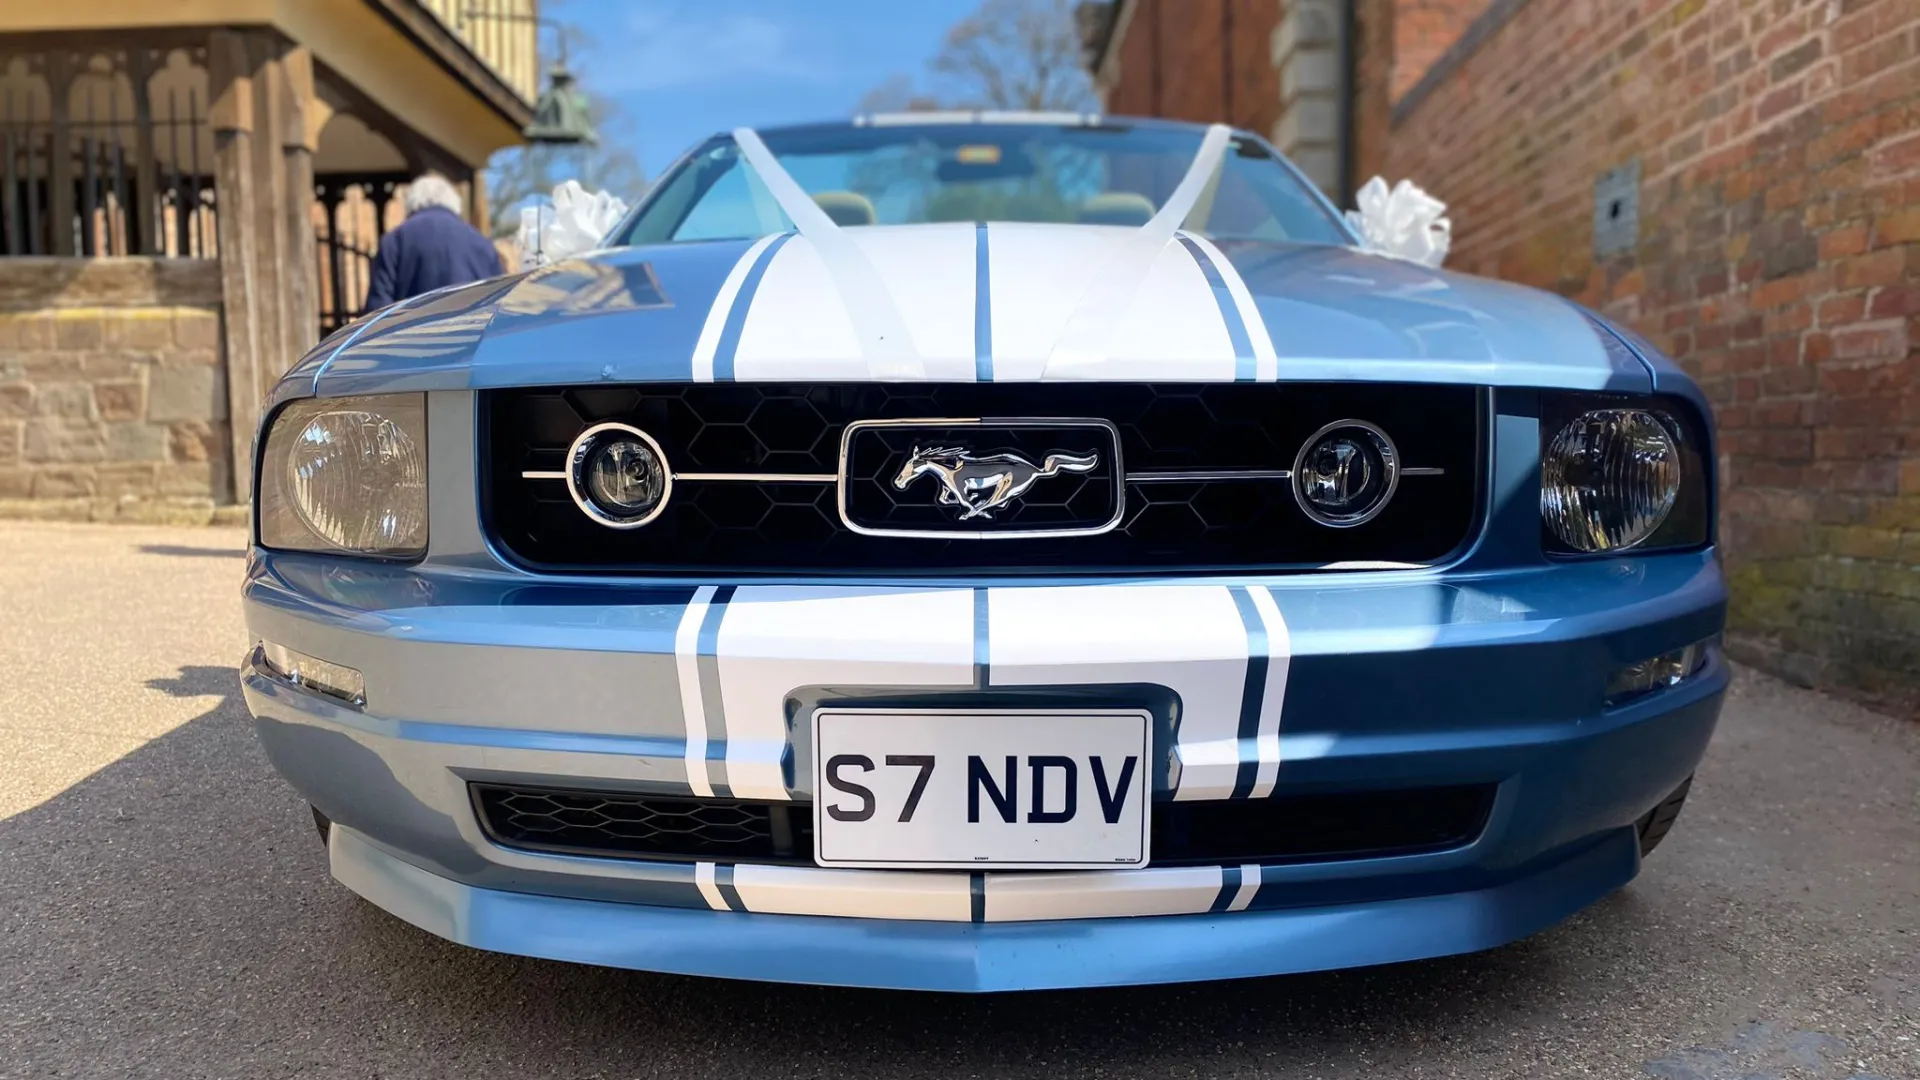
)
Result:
{"points": [[1117, 208], [846, 207]]}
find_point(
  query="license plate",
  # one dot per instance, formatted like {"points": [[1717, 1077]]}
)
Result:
{"points": [[1040, 790]]}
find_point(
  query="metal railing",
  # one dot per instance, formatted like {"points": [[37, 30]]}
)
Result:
{"points": [[351, 215], [113, 172]]}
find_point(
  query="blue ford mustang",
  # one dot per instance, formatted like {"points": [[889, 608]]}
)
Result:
{"points": [[985, 552]]}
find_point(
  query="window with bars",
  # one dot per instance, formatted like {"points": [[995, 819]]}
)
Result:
{"points": [[106, 152]]}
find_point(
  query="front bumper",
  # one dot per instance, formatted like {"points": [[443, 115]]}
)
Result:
{"points": [[1371, 681]]}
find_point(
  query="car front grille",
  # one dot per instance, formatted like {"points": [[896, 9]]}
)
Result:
{"points": [[1203, 486], [1283, 829]]}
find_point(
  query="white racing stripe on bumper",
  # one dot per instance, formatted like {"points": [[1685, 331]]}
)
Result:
{"points": [[1188, 638], [704, 877], [856, 894], [686, 661], [777, 639], [1101, 894], [1279, 652], [1249, 887], [946, 896], [772, 641]]}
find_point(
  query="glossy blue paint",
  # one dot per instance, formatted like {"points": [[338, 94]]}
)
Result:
{"points": [[1341, 314], [977, 957], [633, 315], [1668, 378]]}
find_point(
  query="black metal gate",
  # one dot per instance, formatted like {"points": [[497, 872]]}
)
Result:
{"points": [[350, 217], [106, 153]]}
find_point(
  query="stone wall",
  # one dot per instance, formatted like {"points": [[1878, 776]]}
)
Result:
{"points": [[113, 398], [1306, 51], [1739, 180]]}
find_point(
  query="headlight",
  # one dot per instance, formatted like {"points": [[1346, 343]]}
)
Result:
{"points": [[1628, 475], [347, 474]]}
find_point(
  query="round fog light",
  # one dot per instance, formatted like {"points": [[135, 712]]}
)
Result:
{"points": [[1345, 474], [1608, 479], [618, 476]]}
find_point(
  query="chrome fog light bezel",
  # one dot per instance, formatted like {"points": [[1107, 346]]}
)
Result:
{"points": [[1662, 671], [312, 674], [1390, 463], [580, 455]]}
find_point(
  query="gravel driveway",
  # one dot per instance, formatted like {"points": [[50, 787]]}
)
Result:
{"points": [[165, 911]]}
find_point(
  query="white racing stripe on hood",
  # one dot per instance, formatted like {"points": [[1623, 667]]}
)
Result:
{"points": [[800, 324], [711, 331], [880, 332], [902, 303], [1266, 363], [1172, 329], [1098, 325]]}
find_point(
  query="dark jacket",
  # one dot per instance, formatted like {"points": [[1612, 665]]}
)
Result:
{"points": [[431, 249]]}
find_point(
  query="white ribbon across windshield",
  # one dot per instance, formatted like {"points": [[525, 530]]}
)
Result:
{"points": [[1084, 343], [1081, 350], [885, 341]]}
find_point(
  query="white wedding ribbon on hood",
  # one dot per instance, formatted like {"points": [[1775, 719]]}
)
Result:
{"points": [[885, 342], [1081, 350]]}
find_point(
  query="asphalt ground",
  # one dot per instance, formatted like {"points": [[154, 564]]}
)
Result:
{"points": [[165, 911]]}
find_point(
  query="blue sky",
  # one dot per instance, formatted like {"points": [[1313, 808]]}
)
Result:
{"points": [[683, 69]]}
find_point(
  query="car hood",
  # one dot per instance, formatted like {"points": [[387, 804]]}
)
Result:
{"points": [[959, 302]]}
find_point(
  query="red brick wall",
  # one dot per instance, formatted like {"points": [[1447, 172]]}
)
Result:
{"points": [[1202, 60], [1778, 261], [1422, 31]]}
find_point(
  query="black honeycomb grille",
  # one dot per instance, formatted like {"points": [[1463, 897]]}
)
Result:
{"points": [[748, 528], [598, 823], [1285, 828]]}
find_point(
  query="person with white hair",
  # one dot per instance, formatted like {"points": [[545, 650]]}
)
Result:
{"points": [[433, 248]]}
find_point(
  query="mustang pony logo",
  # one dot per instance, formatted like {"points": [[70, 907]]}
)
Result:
{"points": [[986, 483]]}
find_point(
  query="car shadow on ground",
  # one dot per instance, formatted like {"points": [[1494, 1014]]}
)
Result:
{"points": [[174, 909]]}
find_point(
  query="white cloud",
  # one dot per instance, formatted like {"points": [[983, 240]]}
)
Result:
{"points": [[669, 47]]}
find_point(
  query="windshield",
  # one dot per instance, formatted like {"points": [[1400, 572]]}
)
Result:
{"points": [[1106, 174]]}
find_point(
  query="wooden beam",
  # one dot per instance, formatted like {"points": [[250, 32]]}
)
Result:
{"points": [[270, 267], [477, 203], [230, 84], [303, 256]]}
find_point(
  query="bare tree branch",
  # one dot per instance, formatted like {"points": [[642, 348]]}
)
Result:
{"points": [[1009, 54]]}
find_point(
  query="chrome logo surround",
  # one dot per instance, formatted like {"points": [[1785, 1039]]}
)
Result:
{"points": [[947, 496]]}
